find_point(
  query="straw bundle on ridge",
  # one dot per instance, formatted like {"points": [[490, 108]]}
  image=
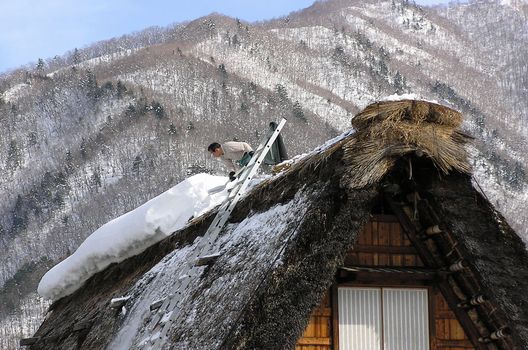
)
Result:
{"points": [[388, 130], [417, 112]]}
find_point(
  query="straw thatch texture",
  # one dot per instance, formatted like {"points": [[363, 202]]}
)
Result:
{"points": [[388, 130], [411, 110]]}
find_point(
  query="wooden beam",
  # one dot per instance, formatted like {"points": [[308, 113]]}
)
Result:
{"points": [[366, 248], [461, 315], [483, 316], [314, 341], [373, 278], [463, 343], [497, 335], [326, 311], [382, 278], [383, 218], [412, 233], [443, 285], [335, 314]]}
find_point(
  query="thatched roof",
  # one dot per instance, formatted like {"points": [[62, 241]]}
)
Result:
{"points": [[389, 130], [287, 238]]}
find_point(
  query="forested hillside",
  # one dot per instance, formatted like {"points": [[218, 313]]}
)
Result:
{"points": [[92, 134]]}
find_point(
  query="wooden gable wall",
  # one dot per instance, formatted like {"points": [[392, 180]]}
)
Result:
{"points": [[318, 333], [383, 243]]}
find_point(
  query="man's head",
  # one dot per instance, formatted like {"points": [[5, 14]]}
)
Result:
{"points": [[215, 149]]}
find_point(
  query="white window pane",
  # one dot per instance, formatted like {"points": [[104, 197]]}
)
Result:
{"points": [[359, 318], [405, 319]]}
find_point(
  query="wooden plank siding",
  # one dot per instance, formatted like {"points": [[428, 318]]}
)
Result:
{"points": [[449, 334], [318, 333], [383, 242]]}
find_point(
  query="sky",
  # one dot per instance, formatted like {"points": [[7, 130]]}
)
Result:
{"points": [[33, 29]]}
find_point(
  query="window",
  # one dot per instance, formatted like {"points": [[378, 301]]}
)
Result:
{"points": [[383, 319]]}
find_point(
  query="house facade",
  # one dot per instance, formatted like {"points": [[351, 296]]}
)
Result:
{"points": [[384, 297]]}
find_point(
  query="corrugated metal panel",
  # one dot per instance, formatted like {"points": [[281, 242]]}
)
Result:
{"points": [[359, 318], [405, 319]]}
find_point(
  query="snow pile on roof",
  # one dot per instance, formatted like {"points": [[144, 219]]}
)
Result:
{"points": [[132, 233], [402, 97], [316, 150]]}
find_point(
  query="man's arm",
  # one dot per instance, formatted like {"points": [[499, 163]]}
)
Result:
{"points": [[247, 147], [229, 164]]}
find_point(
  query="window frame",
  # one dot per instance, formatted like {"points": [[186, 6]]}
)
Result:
{"points": [[430, 305]]}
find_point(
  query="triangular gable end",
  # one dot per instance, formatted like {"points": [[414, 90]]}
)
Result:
{"points": [[408, 249]]}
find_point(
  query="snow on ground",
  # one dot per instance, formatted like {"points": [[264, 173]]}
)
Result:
{"points": [[251, 67], [98, 61], [12, 94], [514, 4], [133, 232]]}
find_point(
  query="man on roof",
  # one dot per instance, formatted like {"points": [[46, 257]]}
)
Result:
{"points": [[233, 154]]}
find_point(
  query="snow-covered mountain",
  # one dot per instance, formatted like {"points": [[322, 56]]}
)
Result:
{"points": [[94, 134]]}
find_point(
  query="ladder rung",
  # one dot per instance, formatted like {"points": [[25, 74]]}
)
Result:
{"points": [[184, 276], [116, 303], [166, 317], [156, 305], [206, 259]]}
